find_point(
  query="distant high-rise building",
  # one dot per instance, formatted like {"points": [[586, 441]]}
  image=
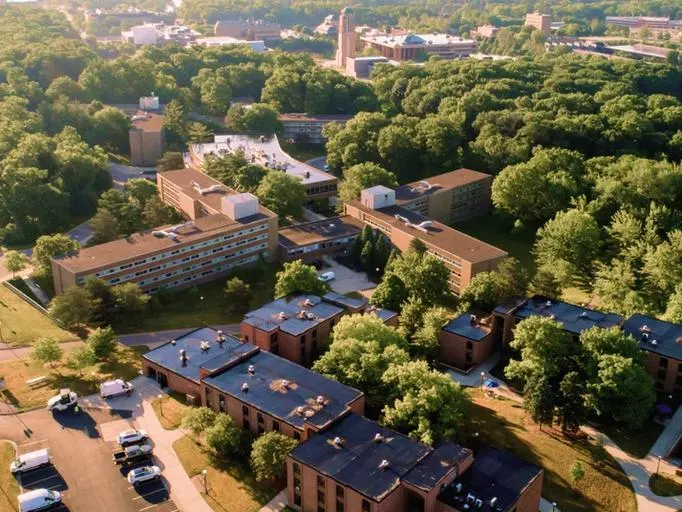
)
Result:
{"points": [[541, 22], [346, 47]]}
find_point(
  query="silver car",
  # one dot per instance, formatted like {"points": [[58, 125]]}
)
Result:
{"points": [[144, 474]]}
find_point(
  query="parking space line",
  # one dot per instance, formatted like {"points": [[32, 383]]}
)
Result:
{"points": [[43, 479], [32, 442], [149, 493], [150, 506]]}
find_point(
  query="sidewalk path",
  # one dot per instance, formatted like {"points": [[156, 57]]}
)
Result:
{"points": [[277, 503], [639, 471], [10, 354], [473, 378], [665, 442]]}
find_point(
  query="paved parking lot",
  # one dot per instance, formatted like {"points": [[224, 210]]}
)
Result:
{"points": [[81, 446], [346, 280]]}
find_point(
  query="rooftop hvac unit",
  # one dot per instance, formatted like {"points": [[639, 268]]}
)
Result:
{"points": [[458, 487], [548, 303], [173, 342], [207, 190], [299, 410], [320, 400], [308, 303], [493, 501], [378, 438], [583, 314], [245, 387], [383, 464], [282, 315], [285, 384], [251, 369], [338, 441], [654, 342], [645, 328]]}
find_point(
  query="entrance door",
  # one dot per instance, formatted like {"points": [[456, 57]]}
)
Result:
{"points": [[162, 380]]}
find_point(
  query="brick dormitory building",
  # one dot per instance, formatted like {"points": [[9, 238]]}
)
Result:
{"points": [[344, 461], [225, 229], [468, 340]]}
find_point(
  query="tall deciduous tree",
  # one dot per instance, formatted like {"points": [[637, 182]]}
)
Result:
{"points": [[47, 351], [364, 175], [72, 307], [15, 261], [226, 438], [297, 277], [52, 246], [283, 194], [238, 295], [269, 455], [198, 419], [102, 341], [391, 292]]}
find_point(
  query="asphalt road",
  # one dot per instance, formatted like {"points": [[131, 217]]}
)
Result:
{"points": [[83, 468]]}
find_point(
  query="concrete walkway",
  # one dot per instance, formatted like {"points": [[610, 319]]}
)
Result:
{"points": [[473, 378], [666, 441], [277, 503], [639, 471]]}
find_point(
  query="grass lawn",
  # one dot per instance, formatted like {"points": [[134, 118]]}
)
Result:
{"points": [[170, 409], [303, 152], [22, 324], [636, 443], [8, 484], [124, 364], [666, 484], [188, 309], [496, 232], [231, 486], [503, 424]]}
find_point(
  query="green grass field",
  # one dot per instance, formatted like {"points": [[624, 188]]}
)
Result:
{"points": [[231, 486], [207, 304], [123, 364], [22, 324], [9, 489], [503, 424], [170, 409]]}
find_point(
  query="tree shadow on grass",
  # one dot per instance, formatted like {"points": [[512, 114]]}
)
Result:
{"points": [[241, 472]]}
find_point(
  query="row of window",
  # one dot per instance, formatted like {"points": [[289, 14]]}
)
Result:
{"points": [[321, 189], [315, 247], [322, 493], [206, 263], [180, 250], [194, 277]]}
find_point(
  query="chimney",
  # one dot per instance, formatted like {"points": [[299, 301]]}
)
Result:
{"points": [[251, 369], [383, 464], [183, 357], [245, 387], [220, 339]]}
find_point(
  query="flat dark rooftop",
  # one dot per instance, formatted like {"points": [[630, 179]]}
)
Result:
{"points": [[168, 355], [279, 387], [319, 231], [438, 235], [447, 181], [286, 313], [575, 319], [432, 468], [493, 474], [667, 336], [345, 301], [465, 327], [355, 463]]}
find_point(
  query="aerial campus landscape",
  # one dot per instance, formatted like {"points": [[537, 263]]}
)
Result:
{"points": [[341, 257]]}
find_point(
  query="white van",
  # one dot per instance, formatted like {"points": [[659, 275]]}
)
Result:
{"points": [[29, 461], [39, 499], [114, 388]]}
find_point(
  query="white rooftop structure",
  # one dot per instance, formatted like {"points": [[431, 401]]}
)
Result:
{"points": [[256, 46], [262, 151], [416, 39]]}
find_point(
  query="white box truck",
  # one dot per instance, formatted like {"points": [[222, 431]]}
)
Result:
{"points": [[38, 499], [29, 461], [116, 387]]}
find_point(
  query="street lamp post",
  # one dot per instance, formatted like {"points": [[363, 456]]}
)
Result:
{"points": [[658, 464], [204, 473], [481, 384], [160, 397], [553, 506]]}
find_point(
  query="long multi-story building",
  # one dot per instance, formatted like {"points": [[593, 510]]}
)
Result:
{"points": [[410, 46], [462, 254], [225, 230], [302, 128], [448, 198], [268, 153], [251, 30], [259, 390]]}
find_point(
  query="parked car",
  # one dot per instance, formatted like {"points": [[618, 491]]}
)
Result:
{"points": [[327, 276], [115, 387], [128, 437], [131, 454], [29, 461], [144, 474], [65, 399], [38, 499]]}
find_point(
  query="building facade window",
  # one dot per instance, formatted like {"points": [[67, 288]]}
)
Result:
{"points": [[366, 507]]}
